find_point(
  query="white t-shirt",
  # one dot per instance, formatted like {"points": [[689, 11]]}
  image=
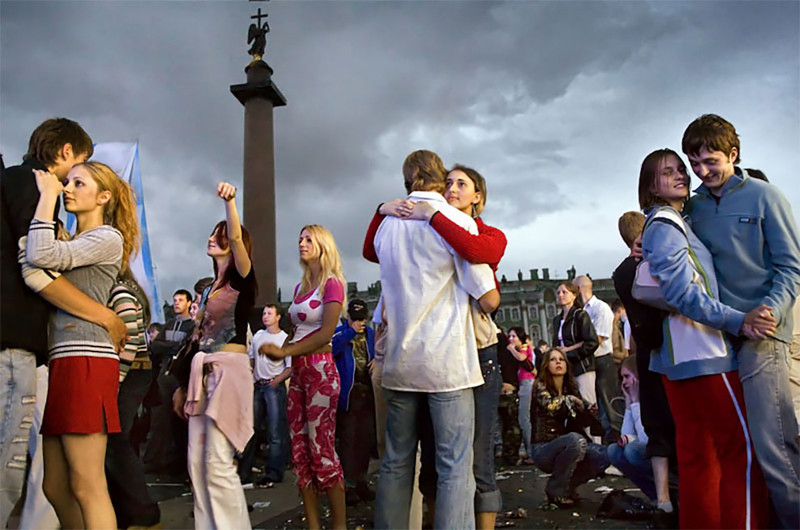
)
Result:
{"points": [[603, 322], [264, 367], [627, 333], [426, 285]]}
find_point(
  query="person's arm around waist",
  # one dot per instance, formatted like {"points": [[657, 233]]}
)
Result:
{"points": [[65, 296], [667, 250]]}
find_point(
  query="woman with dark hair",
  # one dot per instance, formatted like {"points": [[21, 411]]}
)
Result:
{"points": [[219, 399], [526, 373], [556, 447], [574, 334], [466, 190], [697, 363]]}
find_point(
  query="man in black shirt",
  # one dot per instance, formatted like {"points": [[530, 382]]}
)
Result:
{"points": [[55, 146], [645, 322], [166, 448]]}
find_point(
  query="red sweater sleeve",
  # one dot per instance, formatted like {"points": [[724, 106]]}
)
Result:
{"points": [[369, 239], [486, 247]]}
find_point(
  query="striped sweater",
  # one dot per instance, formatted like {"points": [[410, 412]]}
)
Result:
{"points": [[126, 305], [91, 262]]}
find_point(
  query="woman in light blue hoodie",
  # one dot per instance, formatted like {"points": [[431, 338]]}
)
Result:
{"points": [[716, 463]]}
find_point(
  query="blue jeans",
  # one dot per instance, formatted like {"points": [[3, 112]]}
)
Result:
{"points": [[525, 393], [764, 367], [453, 416], [17, 399], [487, 399], [571, 460], [270, 404], [631, 460]]}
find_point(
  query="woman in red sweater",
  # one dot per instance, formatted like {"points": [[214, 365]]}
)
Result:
{"points": [[466, 191]]}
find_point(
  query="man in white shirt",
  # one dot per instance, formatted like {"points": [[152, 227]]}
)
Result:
{"points": [[269, 402], [607, 380], [431, 355]]}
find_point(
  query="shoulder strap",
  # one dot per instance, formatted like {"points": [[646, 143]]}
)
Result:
{"points": [[204, 296], [669, 216]]}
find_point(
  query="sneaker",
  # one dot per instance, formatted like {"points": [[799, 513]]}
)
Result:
{"points": [[611, 470], [666, 520]]}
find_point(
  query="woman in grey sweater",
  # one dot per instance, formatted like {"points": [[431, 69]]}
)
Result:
{"points": [[81, 406]]}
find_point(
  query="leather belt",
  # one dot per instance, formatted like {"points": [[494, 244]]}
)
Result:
{"points": [[141, 365]]}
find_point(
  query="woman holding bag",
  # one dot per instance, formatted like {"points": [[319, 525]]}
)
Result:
{"points": [[716, 463]]}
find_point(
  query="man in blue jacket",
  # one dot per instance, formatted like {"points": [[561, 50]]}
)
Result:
{"points": [[353, 346], [750, 230]]}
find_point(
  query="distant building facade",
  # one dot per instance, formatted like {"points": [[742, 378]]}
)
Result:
{"points": [[529, 303]]}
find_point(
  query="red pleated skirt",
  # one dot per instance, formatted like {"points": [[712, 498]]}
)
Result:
{"points": [[82, 396]]}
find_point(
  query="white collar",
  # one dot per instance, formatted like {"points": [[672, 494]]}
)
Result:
{"points": [[428, 196]]}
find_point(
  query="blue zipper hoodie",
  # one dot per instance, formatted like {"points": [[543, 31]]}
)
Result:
{"points": [[342, 350], [752, 236], [685, 272]]}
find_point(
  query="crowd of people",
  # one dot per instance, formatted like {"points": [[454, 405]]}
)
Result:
{"points": [[688, 383]]}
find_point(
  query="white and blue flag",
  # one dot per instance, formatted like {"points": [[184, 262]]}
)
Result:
{"points": [[123, 158]]}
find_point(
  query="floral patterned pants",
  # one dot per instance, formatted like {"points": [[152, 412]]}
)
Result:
{"points": [[313, 396]]}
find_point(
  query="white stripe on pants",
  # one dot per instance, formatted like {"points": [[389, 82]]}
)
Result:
{"points": [[219, 501]]}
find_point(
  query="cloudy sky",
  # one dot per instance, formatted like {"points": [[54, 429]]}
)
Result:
{"points": [[556, 103]]}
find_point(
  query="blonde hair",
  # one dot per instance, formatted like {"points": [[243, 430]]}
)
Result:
{"points": [[630, 226], [120, 210], [329, 261]]}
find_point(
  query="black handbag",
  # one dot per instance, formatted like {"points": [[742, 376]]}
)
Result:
{"points": [[180, 366]]}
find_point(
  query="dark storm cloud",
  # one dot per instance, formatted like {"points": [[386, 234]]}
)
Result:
{"points": [[555, 103]]}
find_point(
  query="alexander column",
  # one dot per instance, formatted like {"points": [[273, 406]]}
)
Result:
{"points": [[259, 95]]}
